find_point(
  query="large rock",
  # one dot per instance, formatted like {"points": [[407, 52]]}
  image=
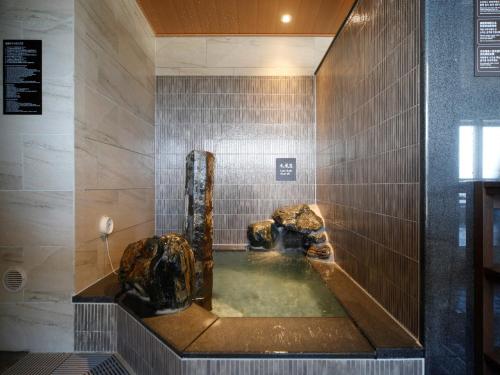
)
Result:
{"points": [[135, 264], [299, 218], [292, 240], [160, 269], [173, 272], [199, 221], [319, 251], [262, 234], [314, 239]]}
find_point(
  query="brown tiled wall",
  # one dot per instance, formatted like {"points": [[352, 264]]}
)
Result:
{"points": [[247, 122], [367, 93]]}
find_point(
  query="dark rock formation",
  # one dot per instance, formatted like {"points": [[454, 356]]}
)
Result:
{"points": [[134, 264], [319, 251], [262, 234], [299, 218], [292, 240], [314, 238], [161, 270], [299, 228], [172, 272], [199, 221]]}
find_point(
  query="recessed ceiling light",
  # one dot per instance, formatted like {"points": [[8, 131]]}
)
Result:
{"points": [[286, 18]]}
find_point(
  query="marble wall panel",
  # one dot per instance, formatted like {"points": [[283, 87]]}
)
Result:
{"points": [[114, 135], [48, 162], [240, 55], [36, 186], [99, 69], [103, 166], [91, 259], [130, 207], [266, 52], [118, 31], [11, 256], [41, 225], [53, 22], [11, 160], [36, 218], [36, 326], [50, 272], [98, 115]]}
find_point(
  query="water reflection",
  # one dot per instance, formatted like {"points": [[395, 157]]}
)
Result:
{"points": [[461, 301], [462, 216], [491, 152], [496, 235], [270, 284], [479, 151], [466, 152], [496, 315]]}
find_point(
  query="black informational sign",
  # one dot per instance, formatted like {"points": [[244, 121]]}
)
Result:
{"points": [[487, 46], [286, 169], [22, 77]]}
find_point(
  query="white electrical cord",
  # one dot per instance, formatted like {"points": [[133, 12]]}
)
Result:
{"points": [[109, 256]]}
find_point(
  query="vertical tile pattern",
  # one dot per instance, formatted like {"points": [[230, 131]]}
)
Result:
{"points": [[247, 122], [95, 327], [368, 130], [114, 135], [37, 188], [144, 353], [303, 366]]}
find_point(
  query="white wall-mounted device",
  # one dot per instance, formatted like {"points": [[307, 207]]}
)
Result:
{"points": [[106, 225]]}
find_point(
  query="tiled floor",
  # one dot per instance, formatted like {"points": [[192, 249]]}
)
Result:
{"points": [[180, 330], [66, 364]]}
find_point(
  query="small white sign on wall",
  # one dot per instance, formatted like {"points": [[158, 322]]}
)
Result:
{"points": [[286, 169]]}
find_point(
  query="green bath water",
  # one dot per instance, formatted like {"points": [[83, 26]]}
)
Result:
{"points": [[270, 284]]}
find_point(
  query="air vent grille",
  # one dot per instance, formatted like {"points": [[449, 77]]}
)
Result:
{"points": [[14, 280]]}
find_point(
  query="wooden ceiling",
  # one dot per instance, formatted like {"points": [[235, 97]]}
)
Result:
{"points": [[245, 17]]}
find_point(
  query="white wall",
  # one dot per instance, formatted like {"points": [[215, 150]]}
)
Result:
{"points": [[114, 138], [90, 153], [36, 186], [240, 55]]}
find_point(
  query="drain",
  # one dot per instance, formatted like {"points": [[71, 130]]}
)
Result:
{"points": [[90, 364], [68, 364], [14, 279]]}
